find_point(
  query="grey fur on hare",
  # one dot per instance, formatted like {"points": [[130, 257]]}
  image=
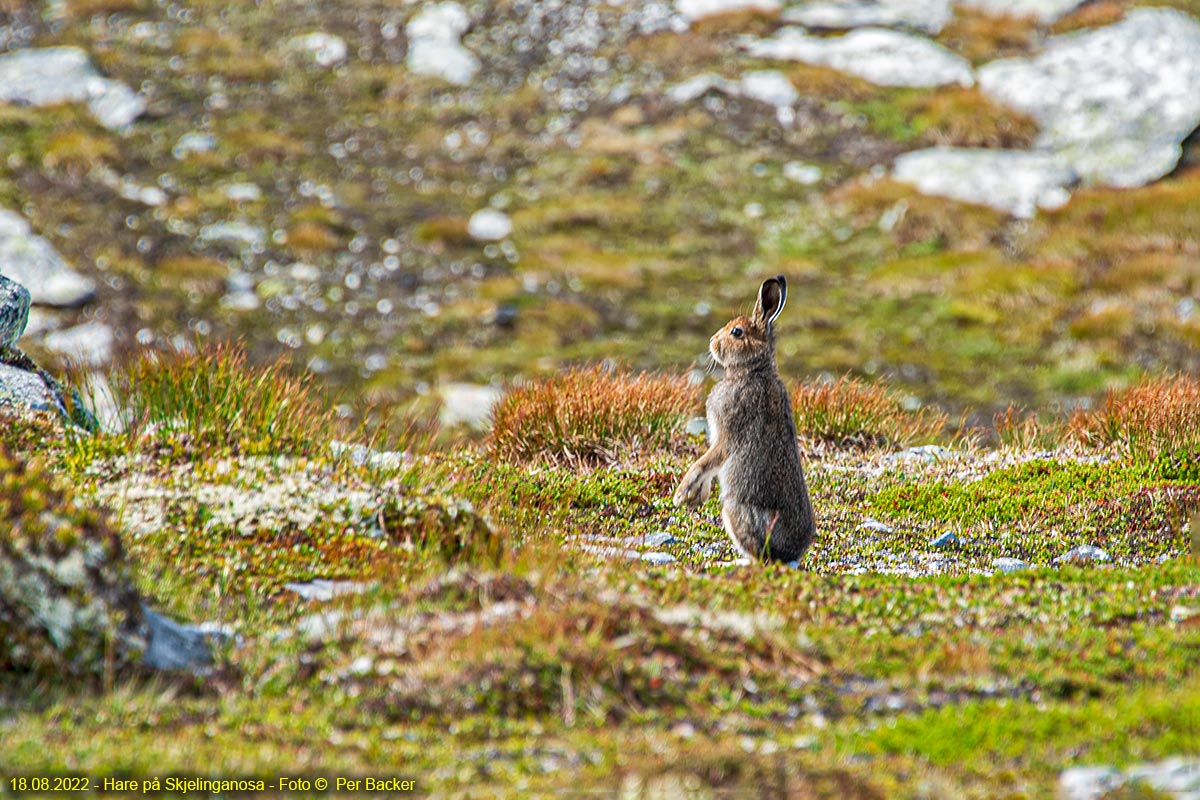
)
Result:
{"points": [[752, 440]]}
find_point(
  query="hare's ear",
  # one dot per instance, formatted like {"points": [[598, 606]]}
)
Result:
{"points": [[771, 297]]}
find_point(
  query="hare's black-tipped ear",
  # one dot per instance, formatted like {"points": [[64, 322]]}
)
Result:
{"points": [[771, 297]]}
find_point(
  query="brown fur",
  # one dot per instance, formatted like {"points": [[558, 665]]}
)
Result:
{"points": [[753, 447]]}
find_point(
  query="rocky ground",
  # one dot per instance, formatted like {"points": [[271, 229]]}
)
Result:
{"points": [[422, 202], [204, 565]]}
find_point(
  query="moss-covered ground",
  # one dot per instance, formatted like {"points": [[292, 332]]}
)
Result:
{"points": [[637, 222], [505, 637]]}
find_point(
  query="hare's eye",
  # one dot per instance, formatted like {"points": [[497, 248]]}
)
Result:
{"points": [[737, 332]]}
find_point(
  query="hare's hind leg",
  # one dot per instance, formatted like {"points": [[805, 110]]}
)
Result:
{"points": [[749, 527]]}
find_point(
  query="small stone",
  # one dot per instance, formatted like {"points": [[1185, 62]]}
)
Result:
{"points": [[243, 192], [801, 173], [14, 311], [325, 49], [238, 234], [881, 56], [658, 558], [32, 262], [194, 142], [945, 540], [696, 426], [433, 44], [1083, 554], [177, 646], [1007, 565], [656, 539], [1177, 777], [875, 526], [489, 225]]}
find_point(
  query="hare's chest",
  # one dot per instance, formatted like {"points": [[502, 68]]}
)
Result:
{"points": [[717, 410]]}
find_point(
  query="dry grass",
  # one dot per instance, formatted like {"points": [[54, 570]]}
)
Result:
{"points": [[1020, 430], [969, 118], [591, 416], [1090, 15], [213, 401], [851, 413], [979, 37], [1157, 421]]}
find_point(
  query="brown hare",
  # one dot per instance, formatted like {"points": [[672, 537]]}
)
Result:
{"points": [[752, 435]]}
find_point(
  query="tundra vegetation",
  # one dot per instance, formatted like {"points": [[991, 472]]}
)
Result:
{"points": [[999, 420]]}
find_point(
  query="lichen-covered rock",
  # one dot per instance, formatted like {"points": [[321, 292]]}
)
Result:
{"points": [[23, 388], [51, 75], [1015, 181], [67, 606], [927, 16], [1114, 103], [879, 55], [14, 311]]}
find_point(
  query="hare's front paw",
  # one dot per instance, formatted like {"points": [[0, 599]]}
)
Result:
{"points": [[694, 489]]}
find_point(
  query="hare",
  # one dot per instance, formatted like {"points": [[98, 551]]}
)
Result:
{"points": [[752, 434]]}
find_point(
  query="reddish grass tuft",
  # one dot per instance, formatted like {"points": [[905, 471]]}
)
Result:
{"points": [[851, 413], [1157, 420], [591, 416]]}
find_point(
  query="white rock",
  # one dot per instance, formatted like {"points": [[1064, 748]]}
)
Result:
{"points": [[1087, 783], [699, 85], [434, 47], [489, 225], [465, 403], [1042, 10], [764, 86], [1009, 564], [1015, 181], [927, 16], [325, 49], [32, 262], [884, 57], [1083, 554], [768, 86], [243, 192], [658, 558], [238, 234], [52, 75], [89, 344], [194, 142], [1115, 103], [698, 9], [1178, 777], [801, 173]]}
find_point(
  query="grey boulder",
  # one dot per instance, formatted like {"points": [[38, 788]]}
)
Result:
{"points": [[14, 311]]}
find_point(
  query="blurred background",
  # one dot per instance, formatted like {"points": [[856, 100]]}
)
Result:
{"points": [[982, 204]]}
